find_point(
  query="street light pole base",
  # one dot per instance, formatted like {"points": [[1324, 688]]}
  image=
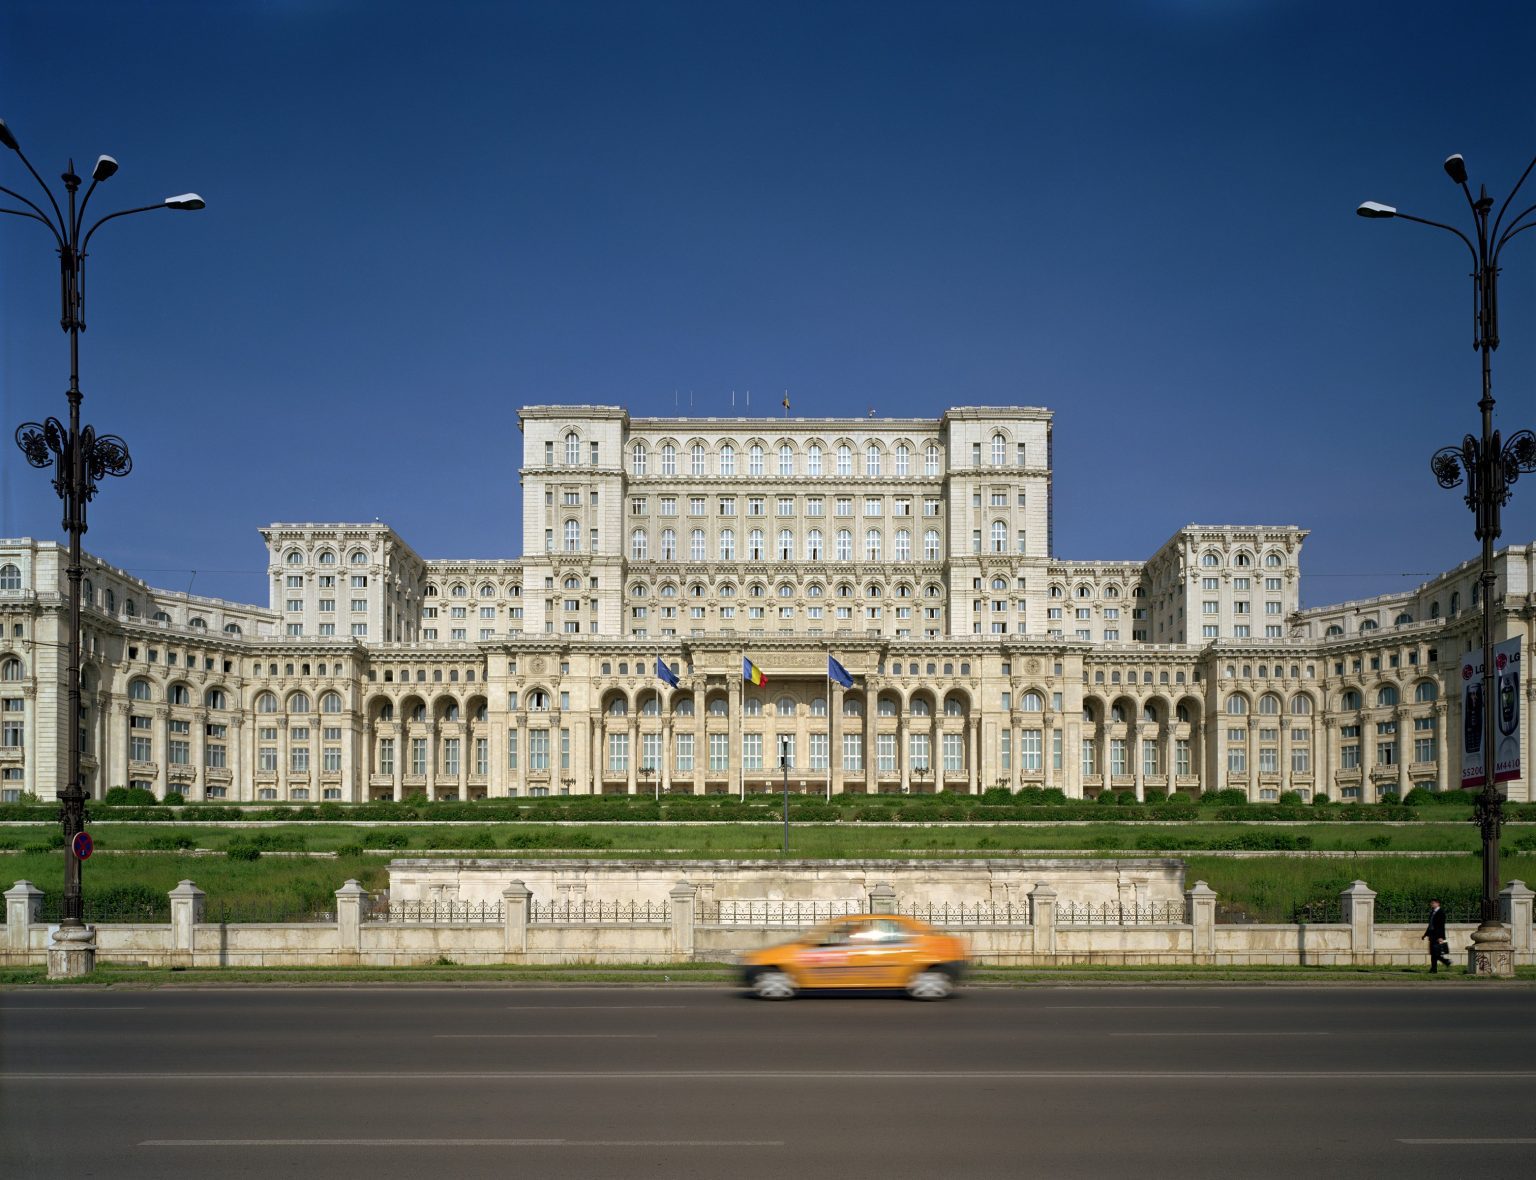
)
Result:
{"points": [[1491, 954], [72, 952]]}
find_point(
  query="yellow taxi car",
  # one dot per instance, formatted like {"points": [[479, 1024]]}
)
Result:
{"points": [[859, 951]]}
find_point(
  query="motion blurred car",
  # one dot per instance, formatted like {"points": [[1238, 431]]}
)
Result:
{"points": [[859, 951]]}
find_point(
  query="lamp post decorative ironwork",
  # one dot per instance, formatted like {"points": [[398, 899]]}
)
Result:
{"points": [[80, 458], [784, 761], [1488, 464]]}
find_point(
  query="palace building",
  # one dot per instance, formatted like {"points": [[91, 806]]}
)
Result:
{"points": [[917, 552]]}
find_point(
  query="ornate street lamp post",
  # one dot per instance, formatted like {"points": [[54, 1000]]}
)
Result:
{"points": [[81, 458], [1488, 465]]}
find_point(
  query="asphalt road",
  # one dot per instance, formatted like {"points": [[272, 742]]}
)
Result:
{"points": [[683, 1082]]}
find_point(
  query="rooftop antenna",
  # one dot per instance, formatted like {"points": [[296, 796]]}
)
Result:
{"points": [[749, 400], [871, 411], [733, 399]]}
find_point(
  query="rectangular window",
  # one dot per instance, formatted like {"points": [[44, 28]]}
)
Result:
{"points": [[418, 756], [752, 751], [1424, 749], [1269, 760], [1090, 758], [719, 752], [954, 753], [818, 751], [853, 751], [885, 753], [565, 748], [1029, 749], [386, 755], [1117, 756], [618, 753], [179, 752], [1349, 756], [684, 759], [1005, 750], [215, 757], [298, 759], [538, 750], [1149, 758], [1301, 756], [451, 756], [331, 758], [266, 757]]}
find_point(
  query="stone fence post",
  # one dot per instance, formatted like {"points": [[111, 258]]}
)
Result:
{"points": [[882, 898], [1042, 918], [187, 905], [1515, 911], [515, 899], [349, 918], [1200, 913], [681, 900], [23, 901], [1359, 905]]}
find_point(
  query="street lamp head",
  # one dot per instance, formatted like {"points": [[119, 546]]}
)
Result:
{"points": [[1456, 168], [184, 201], [1376, 209], [106, 167], [7, 138]]}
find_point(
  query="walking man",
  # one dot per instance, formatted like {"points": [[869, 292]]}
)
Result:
{"points": [[1439, 949]]}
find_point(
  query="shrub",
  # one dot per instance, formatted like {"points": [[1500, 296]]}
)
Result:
{"points": [[393, 839], [171, 842], [1290, 799], [174, 799], [473, 839], [1230, 797], [350, 850], [1320, 799], [129, 797], [243, 852], [1178, 799]]}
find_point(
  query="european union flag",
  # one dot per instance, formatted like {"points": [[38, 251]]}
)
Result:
{"points": [[838, 673], [665, 672]]}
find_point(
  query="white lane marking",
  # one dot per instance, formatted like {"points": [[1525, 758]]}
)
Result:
{"points": [[461, 1143], [546, 1036], [8, 1008], [1460, 1142], [589, 1007], [1130, 1007], [909, 1075], [1220, 1034]]}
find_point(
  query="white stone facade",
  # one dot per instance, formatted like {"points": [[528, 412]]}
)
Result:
{"points": [[918, 552]]}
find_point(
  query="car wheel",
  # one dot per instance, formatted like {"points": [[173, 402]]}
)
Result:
{"points": [[773, 984], [931, 984]]}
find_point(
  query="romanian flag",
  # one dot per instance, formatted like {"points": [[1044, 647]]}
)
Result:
{"points": [[751, 673]]}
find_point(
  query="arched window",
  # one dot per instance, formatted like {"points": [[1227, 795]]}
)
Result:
{"points": [[1368, 625], [818, 706], [853, 707], [813, 548], [1242, 560], [10, 577], [1425, 691], [752, 707], [637, 458], [1032, 702], [1350, 700], [138, 690], [813, 459], [298, 703], [572, 537], [755, 545], [637, 545], [196, 622], [696, 545], [668, 459], [330, 703], [785, 707], [418, 712], [844, 459], [999, 450], [999, 537], [727, 459], [571, 583], [109, 600], [844, 545], [1269, 704], [1333, 631], [451, 711], [696, 459], [1386, 696], [179, 694], [755, 459], [266, 703], [1209, 560], [1455, 602], [131, 609], [1301, 706], [727, 544], [872, 460], [903, 459], [88, 593], [953, 707], [902, 550], [1273, 561], [538, 701], [387, 711], [326, 557], [684, 707], [872, 545], [1237, 705], [651, 706], [668, 544], [786, 459], [719, 707], [931, 459], [931, 545], [358, 557], [11, 670], [1117, 713], [572, 449], [214, 699], [1402, 620]]}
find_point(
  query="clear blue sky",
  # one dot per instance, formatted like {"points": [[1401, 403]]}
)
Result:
{"points": [[423, 215]]}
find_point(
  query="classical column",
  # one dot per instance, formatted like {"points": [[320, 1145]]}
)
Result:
{"points": [[835, 738], [632, 726], [733, 757], [1047, 745], [871, 703], [665, 769], [1442, 752], [432, 759], [1405, 733], [595, 750], [1327, 772], [1170, 752], [902, 760], [700, 736], [973, 743]]}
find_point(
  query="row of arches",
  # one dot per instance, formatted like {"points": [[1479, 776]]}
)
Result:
{"points": [[755, 545], [785, 457]]}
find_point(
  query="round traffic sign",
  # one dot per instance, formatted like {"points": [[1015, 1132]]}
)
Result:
{"points": [[83, 845]]}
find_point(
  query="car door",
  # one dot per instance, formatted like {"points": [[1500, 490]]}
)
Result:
{"points": [[885, 954], [828, 959]]}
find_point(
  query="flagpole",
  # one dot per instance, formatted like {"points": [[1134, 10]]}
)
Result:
{"points": [[829, 727]]}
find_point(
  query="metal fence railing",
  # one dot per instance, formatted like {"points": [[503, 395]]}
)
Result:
{"points": [[1109, 913], [582, 912], [97, 910], [416, 912], [275, 911], [981, 913], [775, 913]]}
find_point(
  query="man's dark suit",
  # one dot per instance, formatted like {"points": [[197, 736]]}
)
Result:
{"points": [[1439, 952]]}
